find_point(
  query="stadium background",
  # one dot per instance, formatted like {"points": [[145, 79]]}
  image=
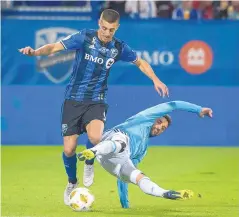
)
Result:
{"points": [[33, 88]]}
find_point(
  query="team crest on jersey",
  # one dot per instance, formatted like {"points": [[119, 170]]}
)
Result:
{"points": [[56, 67], [113, 52]]}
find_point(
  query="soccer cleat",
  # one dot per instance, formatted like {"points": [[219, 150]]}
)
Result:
{"points": [[86, 155], [186, 194], [69, 188], [181, 194], [88, 176]]}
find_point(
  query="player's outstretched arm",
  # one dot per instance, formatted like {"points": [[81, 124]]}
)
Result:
{"points": [[123, 193], [165, 108], [123, 187], [159, 86], [42, 51]]}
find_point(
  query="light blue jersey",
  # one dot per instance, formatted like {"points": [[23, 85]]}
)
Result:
{"points": [[138, 126]]}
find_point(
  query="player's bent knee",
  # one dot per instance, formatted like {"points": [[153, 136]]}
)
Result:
{"points": [[70, 143], [94, 131], [122, 145], [134, 176], [69, 151], [140, 176], [70, 140], [94, 139], [94, 136]]}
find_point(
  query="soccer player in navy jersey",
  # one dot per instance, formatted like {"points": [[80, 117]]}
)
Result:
{"points": [[85, 106]]}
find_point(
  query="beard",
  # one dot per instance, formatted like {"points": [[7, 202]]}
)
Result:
{"points": [[154, 132]]}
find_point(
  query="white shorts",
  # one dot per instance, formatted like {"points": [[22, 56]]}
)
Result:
{"points": [[118, 164]]}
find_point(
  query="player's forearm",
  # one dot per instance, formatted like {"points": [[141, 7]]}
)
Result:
{"points": [[45, 50], [147, 69], [185, 106], [168, 107], [165, 108]]}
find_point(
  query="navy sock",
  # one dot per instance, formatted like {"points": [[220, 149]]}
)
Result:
{"points": [[70, 166], [89, 145]]}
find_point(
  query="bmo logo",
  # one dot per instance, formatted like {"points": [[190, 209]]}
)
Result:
{"points": [[108, 63], [94, 59]]}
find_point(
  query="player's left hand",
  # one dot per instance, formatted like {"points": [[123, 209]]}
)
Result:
{"points": [[161, 88], [206, 111]]}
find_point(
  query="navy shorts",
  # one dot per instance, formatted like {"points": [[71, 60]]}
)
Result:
{"points": [[76, 115]]}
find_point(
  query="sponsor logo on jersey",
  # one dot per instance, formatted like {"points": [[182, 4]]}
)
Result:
{"points": [[99, 60], [93, 59]]}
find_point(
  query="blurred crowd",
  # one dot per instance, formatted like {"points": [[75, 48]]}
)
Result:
{"points": [[178, 10], [44, 3]]}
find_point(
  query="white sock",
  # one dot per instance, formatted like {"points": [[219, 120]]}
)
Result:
{"points": [[107, 147], [149, 187]]}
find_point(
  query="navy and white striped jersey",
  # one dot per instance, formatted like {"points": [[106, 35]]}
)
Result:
{"points": [[92, 64]]}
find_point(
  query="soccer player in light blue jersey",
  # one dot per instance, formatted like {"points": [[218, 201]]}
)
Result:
{"points": [[85, 105], [126, 144]]}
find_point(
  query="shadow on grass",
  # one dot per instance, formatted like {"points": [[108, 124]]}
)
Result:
{"points": [[155, 212]]}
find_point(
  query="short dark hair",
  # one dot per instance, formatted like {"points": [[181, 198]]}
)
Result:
{"points": [[110, 15], [168, 118]]}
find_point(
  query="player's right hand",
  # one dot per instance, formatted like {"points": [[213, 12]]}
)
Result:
{"points": [[27, 51], [206, 111], [161, 88]]}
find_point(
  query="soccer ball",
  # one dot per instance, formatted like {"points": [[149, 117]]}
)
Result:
{"points": [[81, 199]]}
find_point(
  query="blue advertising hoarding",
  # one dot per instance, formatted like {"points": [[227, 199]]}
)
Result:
{"points": [[198, 60], [207, 50]]}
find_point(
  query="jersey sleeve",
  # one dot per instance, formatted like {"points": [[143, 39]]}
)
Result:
{"points": [[74, 41], [151, 114], [123, 193], [138, 159], [127, 54]]}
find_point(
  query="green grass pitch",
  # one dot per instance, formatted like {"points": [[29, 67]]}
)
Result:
{"points": [[33, 181]]}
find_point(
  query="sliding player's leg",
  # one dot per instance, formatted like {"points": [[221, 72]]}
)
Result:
{"points": [[115, 159], [116, 144], [130, 174]]}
